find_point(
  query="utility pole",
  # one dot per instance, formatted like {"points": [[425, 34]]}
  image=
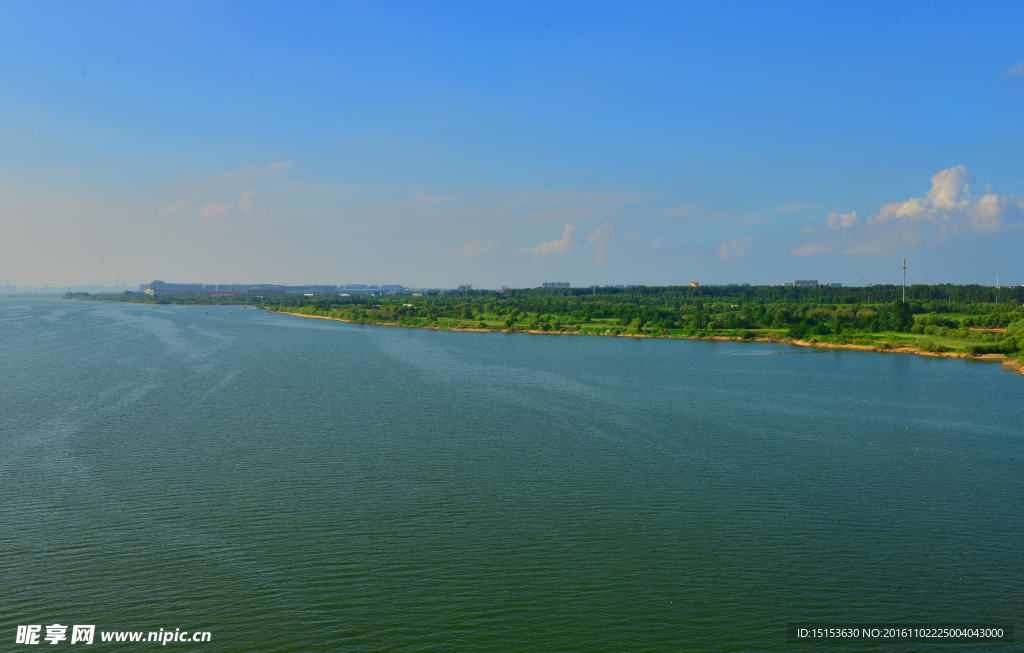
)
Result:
{"points": [[904, 279]]}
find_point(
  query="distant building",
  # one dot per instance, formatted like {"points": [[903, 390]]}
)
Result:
{"points": [[694, 284], [172, 287], [835, 285], [465, 287], [225, 289], [813, 283], [556, 284], [505, 288]]}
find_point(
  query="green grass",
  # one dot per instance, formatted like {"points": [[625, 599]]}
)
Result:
{"points": [[920, 338]]}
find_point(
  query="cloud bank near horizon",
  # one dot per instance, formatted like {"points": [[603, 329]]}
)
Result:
{"points": [[303, 221], [947, 210]]}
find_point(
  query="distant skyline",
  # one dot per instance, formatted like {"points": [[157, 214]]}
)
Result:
{"points": [[438, 144]]}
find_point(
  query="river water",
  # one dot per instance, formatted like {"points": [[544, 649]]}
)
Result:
{"points": [[296, 484]]}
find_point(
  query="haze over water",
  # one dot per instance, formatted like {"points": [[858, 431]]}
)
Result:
{"points": [[294, 484]]}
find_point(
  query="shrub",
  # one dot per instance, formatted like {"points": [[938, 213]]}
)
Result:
{"points": [[978, 350], [1007, 346], [822, 330], [798, 330]]}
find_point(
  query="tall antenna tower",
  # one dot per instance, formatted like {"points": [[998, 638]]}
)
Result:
{"points": [[904, 278]]}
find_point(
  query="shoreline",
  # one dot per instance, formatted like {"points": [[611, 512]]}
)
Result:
{"points": [[1011, 365]]}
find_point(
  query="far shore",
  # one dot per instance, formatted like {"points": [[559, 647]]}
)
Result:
{"points": [[1008, 364]]}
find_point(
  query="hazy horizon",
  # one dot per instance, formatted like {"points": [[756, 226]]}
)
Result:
{"points": [[444, 144]]}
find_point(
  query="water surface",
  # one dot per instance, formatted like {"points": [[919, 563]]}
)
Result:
{"points": [[293, 484]]}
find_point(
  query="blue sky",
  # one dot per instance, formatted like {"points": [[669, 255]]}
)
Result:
{"points": [[511, 143]]}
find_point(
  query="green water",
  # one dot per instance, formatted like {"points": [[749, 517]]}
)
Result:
{"points": [[292, 484]]}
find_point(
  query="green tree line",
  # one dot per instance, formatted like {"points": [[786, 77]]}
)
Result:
{"points": [[743, 312]]}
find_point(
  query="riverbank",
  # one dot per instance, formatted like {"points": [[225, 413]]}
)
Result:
{"points": [[1009, 364]]}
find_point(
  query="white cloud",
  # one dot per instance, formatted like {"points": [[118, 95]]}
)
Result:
{"points": [[560, 246], [734, 247], [231, 174], [949, 206], [173, 208], [247, 203], [599, 240], [1016, 70], [214, 210], [478, 248], [280, 165], [656, 242], [987, 215], [844, 220], [947, 209]]}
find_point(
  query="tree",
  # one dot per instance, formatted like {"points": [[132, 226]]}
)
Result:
{"points": [[902, 316]]}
